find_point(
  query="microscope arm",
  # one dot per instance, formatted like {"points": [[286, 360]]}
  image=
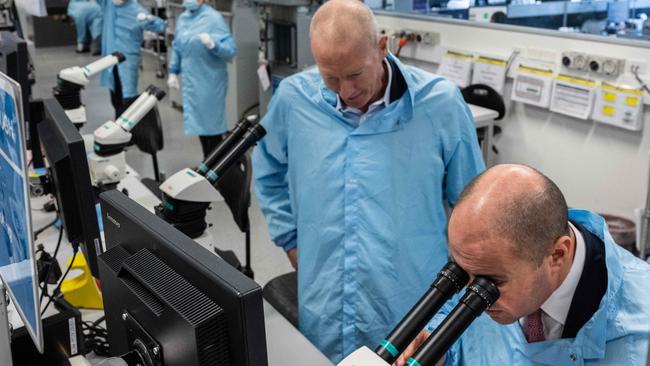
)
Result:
{"points": [[80, 75]]}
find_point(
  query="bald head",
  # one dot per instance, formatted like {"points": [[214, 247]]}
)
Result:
{"points": [[517, 203], [343, 24]]}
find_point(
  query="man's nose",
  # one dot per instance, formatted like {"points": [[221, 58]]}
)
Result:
{"points": [[347, 89]]}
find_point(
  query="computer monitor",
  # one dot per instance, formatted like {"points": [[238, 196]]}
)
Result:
{"points": [[15, 63], [17, 264], [70, 180], [166, 294]]}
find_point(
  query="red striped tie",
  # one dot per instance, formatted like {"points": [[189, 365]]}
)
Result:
{"points": [[535, 329]]}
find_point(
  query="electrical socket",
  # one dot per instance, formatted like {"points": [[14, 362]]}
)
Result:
{"points": [[631, 64]]}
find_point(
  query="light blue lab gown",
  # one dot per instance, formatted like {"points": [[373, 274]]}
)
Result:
{"points": [[122, 32], [204, 71], [366, 205], [616, 335], [87, 17]]}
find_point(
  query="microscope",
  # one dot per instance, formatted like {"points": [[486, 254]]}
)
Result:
{"points": [[107, 162], [70, 81], [188, 193], [478, 297]]}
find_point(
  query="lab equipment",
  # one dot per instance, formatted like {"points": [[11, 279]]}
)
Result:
{"points": [[170, 301], [107, 163], [17, 262], [69, 181], [188, 193], [71, 80], [479, 296], [450, 280]]}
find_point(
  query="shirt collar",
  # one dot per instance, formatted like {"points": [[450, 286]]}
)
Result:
{"points": [[558, 304], [385, 100]]}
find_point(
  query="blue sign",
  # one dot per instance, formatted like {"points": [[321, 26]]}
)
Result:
{"points": [[17, 265]]}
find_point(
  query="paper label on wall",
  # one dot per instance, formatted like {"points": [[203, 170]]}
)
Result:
{"points": [[532, 86], [263, 75], [457, 67], [573, 96], [491, 72], [619, 106]]}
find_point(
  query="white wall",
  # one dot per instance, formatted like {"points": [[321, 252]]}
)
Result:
{"points": [[598, 167]]}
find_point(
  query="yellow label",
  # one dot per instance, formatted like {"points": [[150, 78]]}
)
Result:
{"points": [[608, 110], [622, 89], [576, 80], [493, 61], [610, 97], [459, 55], [632, 101], [536, 71]]}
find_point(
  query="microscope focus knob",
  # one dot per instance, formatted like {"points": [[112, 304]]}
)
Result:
{"points": [[112, 172]]}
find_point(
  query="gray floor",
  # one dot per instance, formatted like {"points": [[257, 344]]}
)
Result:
{"points": [[180, 151]]}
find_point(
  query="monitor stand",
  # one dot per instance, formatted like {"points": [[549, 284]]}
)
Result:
{"points": [[5, 332]]}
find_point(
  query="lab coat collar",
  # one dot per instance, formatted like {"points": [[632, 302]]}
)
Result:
{"points": [[389, 119], [590, 342]]}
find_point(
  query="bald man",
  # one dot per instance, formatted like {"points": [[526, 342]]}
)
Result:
{"points": [[363, 155], [569, 294]]}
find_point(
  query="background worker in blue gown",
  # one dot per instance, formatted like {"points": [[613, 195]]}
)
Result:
{"points": [[569, 294], [124, 23], [363, 155], [87, 16], [201, 49]]}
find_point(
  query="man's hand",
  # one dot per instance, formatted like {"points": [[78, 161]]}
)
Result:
{"points": [[293, 257], [410, 350], [173, 82], [206, 40]]}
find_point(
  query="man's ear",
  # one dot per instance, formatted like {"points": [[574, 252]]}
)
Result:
{"points": [[382, 42], [562, 251]]}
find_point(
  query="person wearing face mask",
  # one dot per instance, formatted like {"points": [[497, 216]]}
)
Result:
{"points": [[202, 46], [124, 23], [87, 16], [362, 157], [569, 294]]}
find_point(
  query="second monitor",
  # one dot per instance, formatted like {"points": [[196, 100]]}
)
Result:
{"points": [[169, 301]]}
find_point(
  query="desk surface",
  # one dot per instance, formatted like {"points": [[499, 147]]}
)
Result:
{"points": [[482, 116], [285, 344]]}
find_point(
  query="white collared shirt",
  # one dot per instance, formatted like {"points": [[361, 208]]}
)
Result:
{"points": [[556, 308], [356, 115]]}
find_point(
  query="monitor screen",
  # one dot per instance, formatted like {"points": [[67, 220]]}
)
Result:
{"points": [[70, 180], [17, 264], [171, 299], [15, 63]]}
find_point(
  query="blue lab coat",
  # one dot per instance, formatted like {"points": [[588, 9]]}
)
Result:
{"points": [[204, 72], [122, 32], [366, 205], [87, 17], [617, 334]]}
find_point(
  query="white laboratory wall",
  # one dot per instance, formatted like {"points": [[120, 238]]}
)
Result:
{"points": [[598, 167]]}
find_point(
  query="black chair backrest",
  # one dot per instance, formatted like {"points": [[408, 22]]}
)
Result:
{"points": [[235, 187], [486, 97], [147, 135]]}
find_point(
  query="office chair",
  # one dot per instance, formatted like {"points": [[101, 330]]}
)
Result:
{"points": [[486, 97], [282, 293]]}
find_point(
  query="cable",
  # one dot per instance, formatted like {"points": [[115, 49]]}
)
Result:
{"points": [[49, 269], [635, 71], [95, 337], [58, 287], [40, 231]]}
